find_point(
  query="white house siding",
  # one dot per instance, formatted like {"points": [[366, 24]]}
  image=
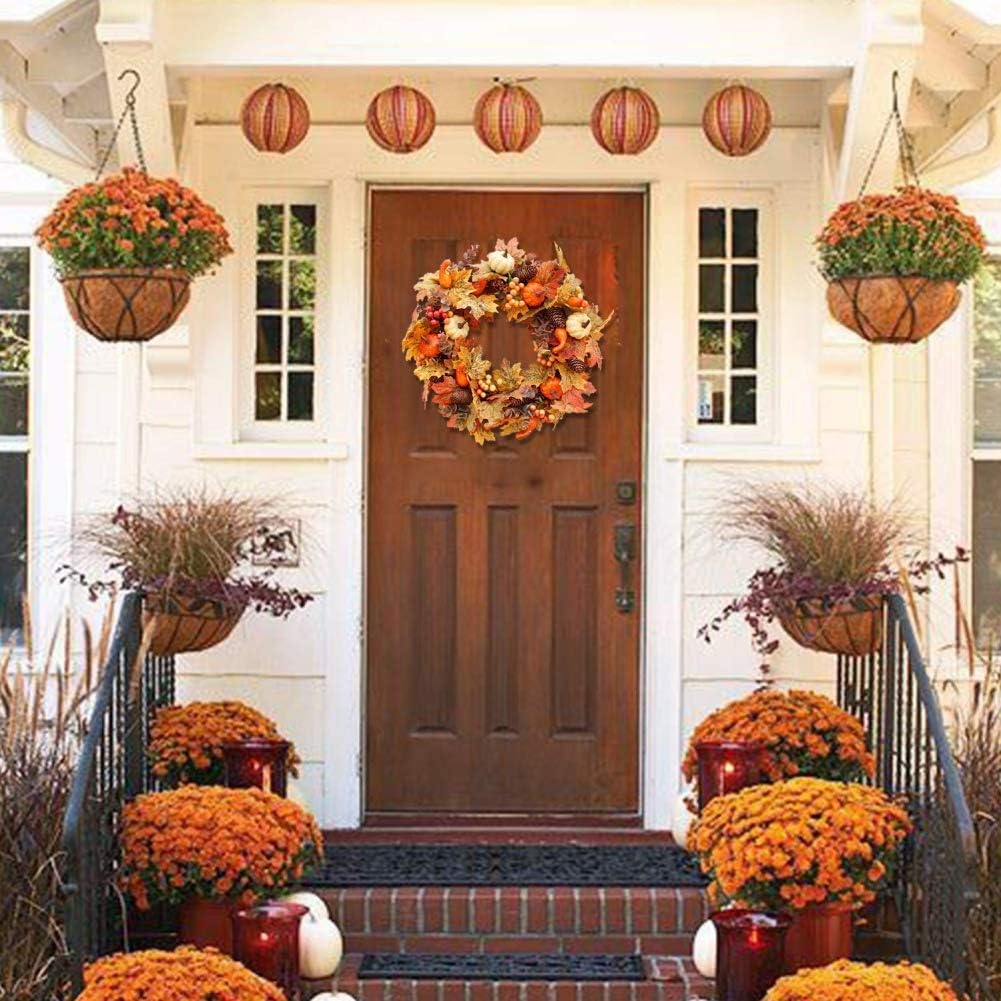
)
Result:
{"points": [[307, 673]]}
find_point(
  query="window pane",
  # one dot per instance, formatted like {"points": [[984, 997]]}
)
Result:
{"points": [[987, 411], [712, 232], [300, 396], [745, 233], [269, 284], [712, 343], [302, 285], [269, 340], [14, 277], [302, 230], [987, 553], [13, 404], [711, 296], [14, 346], [710, 403], [987, 354], [744, 344], [300, 340], [13, 538], [744, 295], [743, 399], [269, 229], [268, 396]]}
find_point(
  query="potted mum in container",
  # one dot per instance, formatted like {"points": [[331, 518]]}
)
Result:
{"points": [[188, 551], [818, 849], [212, 850], [893, 263], [848, 981], [126, 249], [838, 553]]}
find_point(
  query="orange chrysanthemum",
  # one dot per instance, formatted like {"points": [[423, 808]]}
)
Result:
{"points": [[848, 981], [218, 843], [804, 734], [186, 974], [186, 741], [799, 842]]}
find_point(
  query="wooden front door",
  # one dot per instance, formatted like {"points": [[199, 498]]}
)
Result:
{"points": [[502, 678]]}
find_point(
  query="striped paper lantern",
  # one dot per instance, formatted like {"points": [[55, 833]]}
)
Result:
{"points": [[507, 118], [400, 119], [275, 118], [625, 121], [737, 120]]}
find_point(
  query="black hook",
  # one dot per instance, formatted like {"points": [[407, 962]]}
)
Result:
{"points": [[893, 86], [130, 96]]}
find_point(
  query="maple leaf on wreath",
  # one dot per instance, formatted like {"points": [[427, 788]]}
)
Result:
{"points": [[549, 276], [572, 402], [472, 360]]}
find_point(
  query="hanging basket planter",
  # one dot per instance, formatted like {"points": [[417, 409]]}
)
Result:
{"points": [[126, 304], [176, 624], [852, 627], [894, 262], [126, 247]]}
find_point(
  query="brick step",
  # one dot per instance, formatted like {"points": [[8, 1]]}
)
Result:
{"points": [[652, 921], [668, 979]]}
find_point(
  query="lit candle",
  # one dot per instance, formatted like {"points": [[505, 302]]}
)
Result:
{"points": [[257, 763], [726, 766], [750, 953], [266, 940]]}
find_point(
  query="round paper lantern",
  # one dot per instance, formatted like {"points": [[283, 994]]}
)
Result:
{"points": [[625, 120], [275, 118], [314, 904], [320, 947], [507, 118], [400, 119], [737, 120], [704, 950]]}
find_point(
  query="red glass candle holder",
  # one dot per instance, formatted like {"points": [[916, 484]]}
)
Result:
{"points": [[750, 953], [266, 940], [257, 763], [726, 766]]}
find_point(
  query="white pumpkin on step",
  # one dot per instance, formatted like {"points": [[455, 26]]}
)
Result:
{"points": [[320, 947], [682, 819], [704, 950], [314, 904], [331, 996]]}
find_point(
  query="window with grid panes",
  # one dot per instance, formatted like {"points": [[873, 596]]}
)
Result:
{"points": [[15, 330], [987, 455], [728, 310], [285, 312]]}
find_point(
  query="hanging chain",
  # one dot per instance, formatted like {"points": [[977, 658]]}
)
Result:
{"points": [[905, 146], [129, 111]]}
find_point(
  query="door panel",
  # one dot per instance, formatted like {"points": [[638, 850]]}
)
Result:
{"points": [[501, 678]]}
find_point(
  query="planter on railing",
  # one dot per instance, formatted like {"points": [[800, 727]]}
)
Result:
{"points": [[851, 627], [176, 624]]}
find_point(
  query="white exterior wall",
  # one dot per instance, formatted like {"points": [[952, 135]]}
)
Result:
{"points": [[308, 672]]}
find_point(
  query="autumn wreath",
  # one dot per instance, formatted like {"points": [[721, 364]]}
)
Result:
{"points": [[454, 302]]}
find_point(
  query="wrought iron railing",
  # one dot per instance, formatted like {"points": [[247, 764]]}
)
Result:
{"points": [[111, 770], [891, 693]]}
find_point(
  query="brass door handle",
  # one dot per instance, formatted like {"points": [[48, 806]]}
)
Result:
{"points": [[624, 551]]}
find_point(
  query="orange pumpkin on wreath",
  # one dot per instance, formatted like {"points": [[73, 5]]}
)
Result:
{"points": [[454, 303]]}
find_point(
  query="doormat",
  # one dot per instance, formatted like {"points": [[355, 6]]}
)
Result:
{"points": [[508, 865], [499, 966]]}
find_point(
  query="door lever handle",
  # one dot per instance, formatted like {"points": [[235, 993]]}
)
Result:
{"points": [[624, 552]]}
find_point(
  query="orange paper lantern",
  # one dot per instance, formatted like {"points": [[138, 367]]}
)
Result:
{"points": [[275, 118], [625, 120], [737, 120], [507, 118], [400, 119]]}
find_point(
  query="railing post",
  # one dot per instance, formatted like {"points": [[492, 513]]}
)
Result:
{"points": [[133, 749], [888, 710]]}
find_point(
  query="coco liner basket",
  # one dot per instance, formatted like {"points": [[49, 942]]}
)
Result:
{"points": [[853, 627], [177, 624], [126, 304]]}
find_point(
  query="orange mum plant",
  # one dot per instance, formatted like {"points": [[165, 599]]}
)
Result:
{"points": [[186, 741], [848, 981], [801, 842], [804, 734], [216, 843], [186, 974]]}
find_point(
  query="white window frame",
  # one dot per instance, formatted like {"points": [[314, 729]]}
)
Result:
{"points": [[251, 429], [763, 200]]}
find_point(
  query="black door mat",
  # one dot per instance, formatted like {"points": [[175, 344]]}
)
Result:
{"points": [[499, 966], [508, 865]]}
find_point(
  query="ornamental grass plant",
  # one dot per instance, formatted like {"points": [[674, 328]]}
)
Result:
{"points": [[186, 974], [849, 981], [43, 701], [803, 734], [911, 232], [186, 742]]}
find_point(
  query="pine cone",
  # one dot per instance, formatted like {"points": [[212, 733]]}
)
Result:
{"points": [[461, 396], [525, 272], [576, 365], [551, 317]]}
